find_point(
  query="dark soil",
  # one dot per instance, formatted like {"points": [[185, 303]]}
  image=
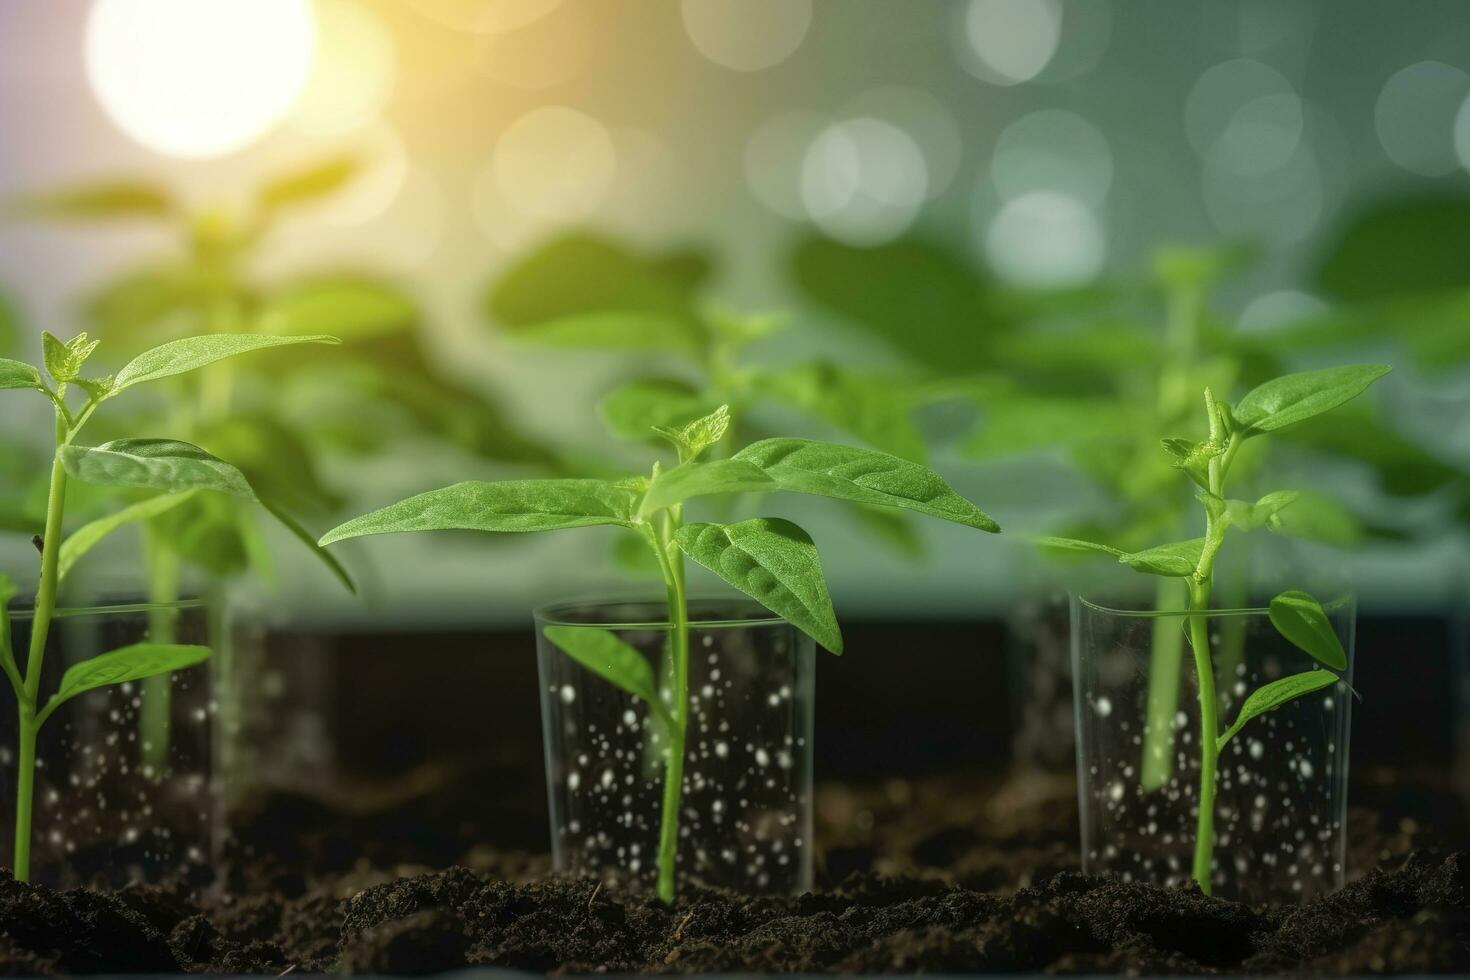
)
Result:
{"points": [[949, 874]]}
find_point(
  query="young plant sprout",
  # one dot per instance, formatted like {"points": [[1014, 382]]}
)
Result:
{"points": [[770, 559], [177, 470], [1296, 615]]}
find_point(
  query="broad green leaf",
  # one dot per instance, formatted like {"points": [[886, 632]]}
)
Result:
{"points": [[774, 562], [861, 475], [607, 656], [1318, 517], [348, 308], [65, 359], [694, 479], [1403, 466], [129, 663], [509, 506], [1076, 544], [612, 331], [110, 199], [157, 464], [875, 409], [736, 330], [634, 410], [1270, 696], [212, 531], [1300, 618], [693, 438], [631, 554], [1016, 424], [19, 374], [84, 538], [189, 353], [1248, 516], [1296, 397], [1177, 559], [309, 540], [308, 184]]}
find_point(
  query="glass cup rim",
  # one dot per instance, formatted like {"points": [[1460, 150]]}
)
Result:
{"points": [[1341, 601], [557, 613], [22, 610]]}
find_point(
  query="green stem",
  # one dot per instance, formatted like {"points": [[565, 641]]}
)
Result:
{"points": [[1209, 724], [1165, 661], [157, 707], [671, 562], [40, 627]]}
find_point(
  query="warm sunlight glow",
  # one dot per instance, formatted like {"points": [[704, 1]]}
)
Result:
{"points": [[198, 78]]}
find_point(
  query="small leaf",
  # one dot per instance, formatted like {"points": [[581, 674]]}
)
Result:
{"points": [[1270, 696], [861, 475], [112, 199], [695, 479], [609, 657], [507, 506], [308, 184], [65, 360], [1248, 516], [611, 331], [695, 437], [157, 464], [1076, 544], [1177, 559], [189, 353], [636, 409], [128, 663], [19, 374], [354, 309], [772, 561], [1300, 618], [1296, 397], [1318, 517], [309, 540], [84, 538]]}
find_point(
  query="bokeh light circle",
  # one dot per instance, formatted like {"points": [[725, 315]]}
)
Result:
{"points": [[1280, 206], [555, 162], [773, 160], [1245, 116], [1416, 116], [198, 78], [1281, 308], [747, 35], [353, 72], [1010, 41], [925, 118], [485, 16], [1053, 149], [1045, 239], [863, 180]]}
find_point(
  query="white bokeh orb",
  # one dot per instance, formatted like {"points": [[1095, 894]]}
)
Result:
{"points": [[1045, 239], [1416, 116], [352, 74], [747, 35], [863, 181], [554, 163], [1010, 41], [1053, 149]]}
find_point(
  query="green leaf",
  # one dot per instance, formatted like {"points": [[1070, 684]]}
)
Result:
{"points": [[861, 475], [872, 408], [636, 409], [1076, 544], [1318, 517], [110, 199], [64, 360], [19, 374], [1300, 618], [158, 464], [774, 562], [309, 540], [1016, 424], [1270, 696], [508, 506], [308, 184], [894, 528], [1263, 512], [693, 479], [611, 331], [693, 438], [607, 656], [189, 353], [129, 663], [630, 553], [84, 538], [349, 308], [1177, 559], [1296, 397], [127, 310]]}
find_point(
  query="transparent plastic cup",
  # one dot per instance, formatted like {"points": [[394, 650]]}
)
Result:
{"points": [[745, 814], [122, 788], [1281, 790]]}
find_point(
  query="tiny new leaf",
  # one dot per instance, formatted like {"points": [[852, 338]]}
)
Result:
{"points": [[1270, 696], [157, 464], [695, 437], [129, 663], [774, 562], [606, 655], [1301, 619], [64, 360], [1296, 397], [19, 374]]}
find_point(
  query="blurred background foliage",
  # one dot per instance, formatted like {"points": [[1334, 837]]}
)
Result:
{"points": [[1010, 237]]}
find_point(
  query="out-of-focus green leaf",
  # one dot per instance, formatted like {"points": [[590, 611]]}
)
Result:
{"points": [[1317, 517], [1412, 244], [308, 184], [128, 309], [924, 299], [632, 555], [274, 458], [86, 537], [613, 330], [1403, 467], [1297, 397], [349, 308], [1026, 424], [1195, 267], [892, 527], [633, 410], [113, 199], [208, 531], [876, 410], [1099, 349], [1176, 559]]}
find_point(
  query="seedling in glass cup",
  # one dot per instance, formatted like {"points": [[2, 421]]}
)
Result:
{"points": [[770, 559], [1296, 615], [176, 470]]}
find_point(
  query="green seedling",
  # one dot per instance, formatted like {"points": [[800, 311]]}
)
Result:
{"points": [[770, 559], [1275, 405], [176, 471]]}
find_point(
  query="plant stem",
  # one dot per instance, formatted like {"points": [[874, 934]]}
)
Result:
{"points": [[156, 710], [1163, 691], [672, 564], [1209, 724], [40, 627]]}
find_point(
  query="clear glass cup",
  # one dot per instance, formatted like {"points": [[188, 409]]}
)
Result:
{"points": [[122, 788], [1281, 789], [745, 816]]}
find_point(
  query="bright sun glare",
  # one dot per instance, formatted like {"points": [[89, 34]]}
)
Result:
{"points": [[198, 78]]}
